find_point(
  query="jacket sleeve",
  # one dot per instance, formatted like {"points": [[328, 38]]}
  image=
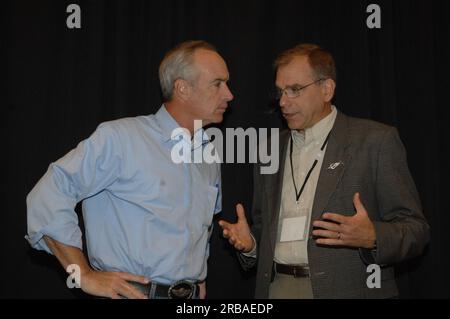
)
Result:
{"points": [[402, 232], [247, 262]]}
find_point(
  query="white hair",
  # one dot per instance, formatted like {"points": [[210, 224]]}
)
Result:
{"points": [[178, 64]]}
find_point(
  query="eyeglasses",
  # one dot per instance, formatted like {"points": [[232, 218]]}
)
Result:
{"points": [[293, 91]]}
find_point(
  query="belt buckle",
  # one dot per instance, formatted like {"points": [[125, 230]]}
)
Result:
{"points": [[181, 290]]}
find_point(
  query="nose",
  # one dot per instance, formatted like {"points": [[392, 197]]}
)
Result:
{"points": [[228, 95], [283, 99]]}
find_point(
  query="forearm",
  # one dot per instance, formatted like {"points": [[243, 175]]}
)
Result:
{"points": [[68, 255], [98, 283]]}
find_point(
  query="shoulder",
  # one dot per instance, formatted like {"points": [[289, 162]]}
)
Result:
{"points": [[126, 123], [367, 126], [366, 130], [125, 126]]}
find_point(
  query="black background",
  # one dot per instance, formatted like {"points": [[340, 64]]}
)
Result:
{"points": [[60, 83]]}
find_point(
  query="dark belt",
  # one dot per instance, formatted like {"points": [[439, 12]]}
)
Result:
{"points": [[293, 270], [179, 290]]}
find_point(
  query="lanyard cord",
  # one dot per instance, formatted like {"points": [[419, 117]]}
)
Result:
{"points": [[298, 194]]}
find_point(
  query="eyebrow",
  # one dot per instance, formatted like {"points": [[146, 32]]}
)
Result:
{"points": [[220, 80], [290, 86]]}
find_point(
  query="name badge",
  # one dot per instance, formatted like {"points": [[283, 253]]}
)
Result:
{"points": [[293, 229]]}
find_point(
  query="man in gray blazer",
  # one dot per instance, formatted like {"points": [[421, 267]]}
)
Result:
{"points": [[341, 210]]}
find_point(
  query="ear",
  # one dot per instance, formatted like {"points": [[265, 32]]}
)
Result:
{"points": [[181, 89], [328, 87]]}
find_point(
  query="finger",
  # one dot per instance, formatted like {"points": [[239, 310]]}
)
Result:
{"points": [[202, 287], [341, 219], [226, 234], [329, 242], [326, 225], [358, 204], [131, 277], [115, 295], [224, 224], [326, 234], [130, 292], [241, 213], [238, 246], [137, 294]]}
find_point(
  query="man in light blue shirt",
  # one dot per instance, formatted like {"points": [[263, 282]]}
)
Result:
{"points": [[148, 219]]}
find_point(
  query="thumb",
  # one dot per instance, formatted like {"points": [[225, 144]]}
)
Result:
{"points": [[358, 204], [240, 212]]}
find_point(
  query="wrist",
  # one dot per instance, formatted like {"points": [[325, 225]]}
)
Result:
{"points": [[252, 249], [253, 242], [373, 239], [86, 271]]}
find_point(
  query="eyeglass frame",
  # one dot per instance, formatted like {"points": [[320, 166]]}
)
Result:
{"points": [[279, 92]]}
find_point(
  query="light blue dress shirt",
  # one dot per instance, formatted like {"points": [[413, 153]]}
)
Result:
{"points": [[143, 213]]}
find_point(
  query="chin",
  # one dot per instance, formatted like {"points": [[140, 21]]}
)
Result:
{"points": [[294, 125], [217, 119]]}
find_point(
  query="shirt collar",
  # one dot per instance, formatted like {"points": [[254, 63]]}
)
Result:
{"points": [[316, 133], [168, 124], [200, 138]]}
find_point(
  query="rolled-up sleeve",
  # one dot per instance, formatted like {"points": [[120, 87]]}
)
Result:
{"points": [[86, 170]]}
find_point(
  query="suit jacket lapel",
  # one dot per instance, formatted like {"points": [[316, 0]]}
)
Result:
{"points": [[331, 172]]}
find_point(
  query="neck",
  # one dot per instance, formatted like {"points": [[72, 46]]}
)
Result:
{"points": [[326, 111], [182, 116]]}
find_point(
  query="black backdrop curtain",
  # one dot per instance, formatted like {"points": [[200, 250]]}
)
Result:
{"points": [[60, 83]]}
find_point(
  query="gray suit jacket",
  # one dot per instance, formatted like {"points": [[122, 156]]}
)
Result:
{"points": [[373, 163]]}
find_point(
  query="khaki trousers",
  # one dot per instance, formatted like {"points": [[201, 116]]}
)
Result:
{"points": [[289, 287]]}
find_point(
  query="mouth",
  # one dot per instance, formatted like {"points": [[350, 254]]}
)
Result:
{"points": [[288, 116], [222, 108]]}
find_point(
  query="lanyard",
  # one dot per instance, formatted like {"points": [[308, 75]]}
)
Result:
{"points": [[298, 194]]}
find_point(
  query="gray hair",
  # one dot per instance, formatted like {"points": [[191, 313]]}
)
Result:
{"points": [[320, 60], [178, 64]]}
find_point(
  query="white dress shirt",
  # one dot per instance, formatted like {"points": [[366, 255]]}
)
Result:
{"points": [[306, 148]]}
